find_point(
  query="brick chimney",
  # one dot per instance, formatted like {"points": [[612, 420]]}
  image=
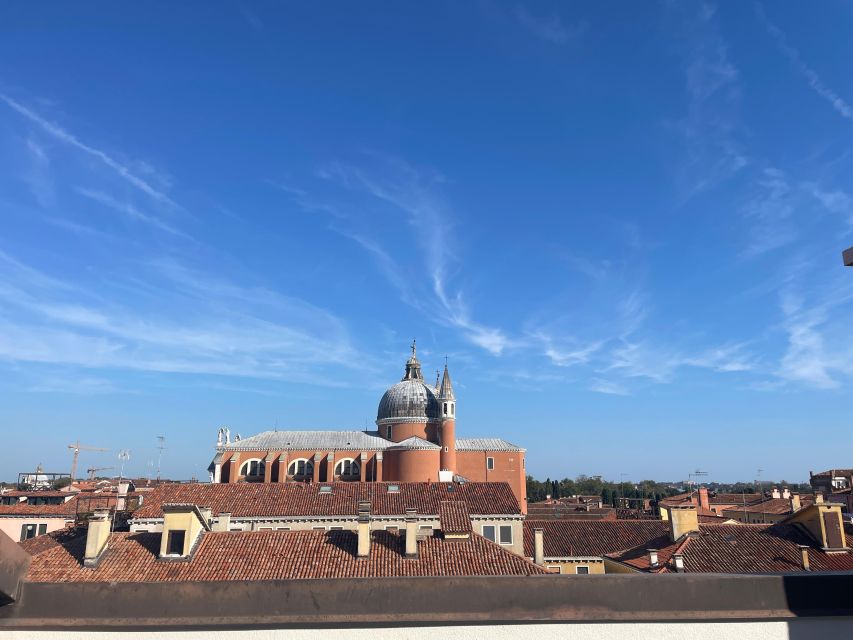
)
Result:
{"points": [[411, 533], [704, 502], [97, 537], [539, 546], [683, 519], [363, 529]]}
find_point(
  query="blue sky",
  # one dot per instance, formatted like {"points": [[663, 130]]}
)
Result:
{"points": [[622, 223]]}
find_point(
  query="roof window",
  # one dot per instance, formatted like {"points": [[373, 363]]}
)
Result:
{"points": [[326, 489], [393, 488]]}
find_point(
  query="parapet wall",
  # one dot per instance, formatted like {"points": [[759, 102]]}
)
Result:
{"points": [[418, 601]]}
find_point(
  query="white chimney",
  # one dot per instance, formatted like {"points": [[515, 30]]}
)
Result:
{"points": [[97, 537], [363, 529], [653, 558], [411, 533], [539, 546]]}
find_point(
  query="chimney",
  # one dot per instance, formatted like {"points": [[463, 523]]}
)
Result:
{"points": [[539, 546], [653, 558], [363, 529], [97, 537], [122, 495], [704, 502], [206, 514], [818, 498], [547, 496], [786, 493], [223, 522], [775, 493], [678, 560], [795, 502], [804, 551], [682, 519], [411, 533]]}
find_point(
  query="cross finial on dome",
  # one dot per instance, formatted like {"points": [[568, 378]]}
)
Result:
{"points": [[414, 347]]}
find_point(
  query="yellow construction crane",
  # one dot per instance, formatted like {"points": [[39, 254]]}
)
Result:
{"points": [[91, 471], [77, 448]]}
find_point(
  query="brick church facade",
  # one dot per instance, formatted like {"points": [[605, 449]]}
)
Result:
{"points": [[415, 441]]}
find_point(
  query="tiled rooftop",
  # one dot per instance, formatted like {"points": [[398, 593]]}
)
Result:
{"points": [[771, 506], [567, 538], [454, 517], [269, 555], [293, 499], [740, 548], [485, 444]]}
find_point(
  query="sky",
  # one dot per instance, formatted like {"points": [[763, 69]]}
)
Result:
{"points": [[621, 223]]}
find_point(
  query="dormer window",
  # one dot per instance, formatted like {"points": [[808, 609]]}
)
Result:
{"points": [[175, 545]]}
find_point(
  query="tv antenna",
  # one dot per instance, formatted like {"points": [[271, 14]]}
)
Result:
{"points": [[161, 447]]}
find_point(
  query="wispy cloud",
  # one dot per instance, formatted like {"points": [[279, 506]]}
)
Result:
{"points": [[128, 209], [38, 176], [842, 107], [182, 321], [769, 210], [600, 385], [550, 27], [712, 124], [69, 138], [416, 194]]}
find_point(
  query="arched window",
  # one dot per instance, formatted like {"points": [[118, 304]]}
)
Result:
{"points": [[348, 469], [301, 468], [253, 468]]}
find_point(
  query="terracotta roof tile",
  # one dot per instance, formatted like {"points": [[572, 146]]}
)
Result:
{"points": [[742, 548], [269, 555], [454, 517], [300, 499], [572, 538]]}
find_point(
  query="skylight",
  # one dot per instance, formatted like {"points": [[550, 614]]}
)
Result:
{"points": [[325, 489], [393, 488]]}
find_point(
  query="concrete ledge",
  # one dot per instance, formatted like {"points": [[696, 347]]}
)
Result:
{"points": [[304, 603]]}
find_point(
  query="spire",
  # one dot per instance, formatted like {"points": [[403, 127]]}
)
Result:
{"points": [[413, 367], [446, 390], [437, 378]]}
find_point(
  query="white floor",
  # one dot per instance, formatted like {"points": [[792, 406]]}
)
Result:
{"points": [[798, 629]]}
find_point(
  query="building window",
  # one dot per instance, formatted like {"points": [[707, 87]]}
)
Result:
{"points": [[319, 528], [506, 534], [253, 469], [336, 528], [446, 449], [445, 408], [581, 571], [489, 532], [452, 409], [490, 464], [301, 468], [175, 545], [28, 531], [425, 527], [388, 432], [348, 469], [553, 568], [282, 528]]}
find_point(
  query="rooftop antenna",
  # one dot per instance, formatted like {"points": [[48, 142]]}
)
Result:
{"points": [[124, 456], [161, 448], [696, 474]]}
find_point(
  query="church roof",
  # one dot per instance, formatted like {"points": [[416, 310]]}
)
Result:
{"points": [[414, 443], [446, 391], [486, 444], [301, 440]]}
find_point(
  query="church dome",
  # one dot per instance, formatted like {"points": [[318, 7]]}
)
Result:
{"points": [[410, 400]]}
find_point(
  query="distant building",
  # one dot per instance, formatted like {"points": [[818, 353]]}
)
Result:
{"points": [[834, 484], [415, 441]]}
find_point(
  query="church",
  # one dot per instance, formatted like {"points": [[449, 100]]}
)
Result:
{"points": [[415, 441]]}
